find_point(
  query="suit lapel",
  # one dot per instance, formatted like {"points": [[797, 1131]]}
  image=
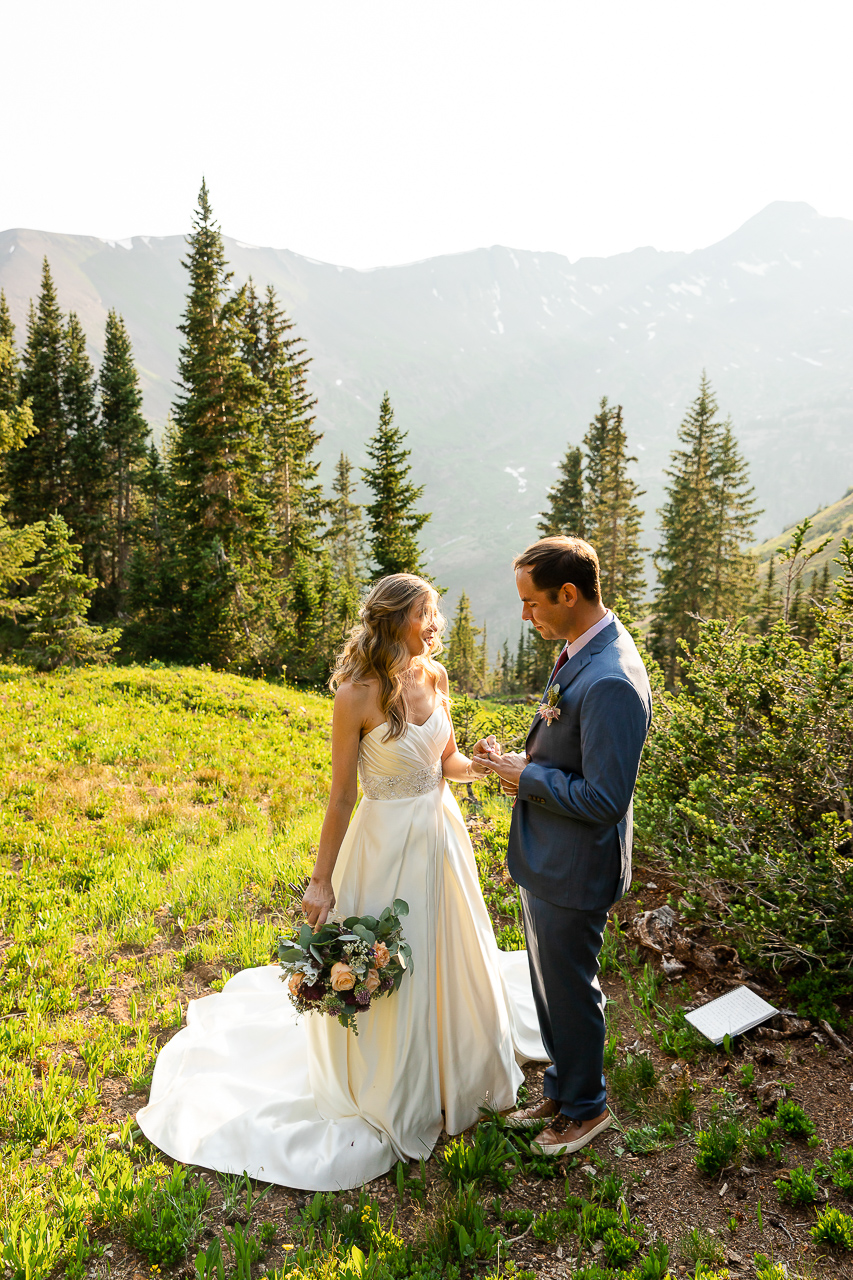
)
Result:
{"points": [[575, 665]]}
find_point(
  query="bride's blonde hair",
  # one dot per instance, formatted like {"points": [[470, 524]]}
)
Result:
{"points": [[376, 645]]}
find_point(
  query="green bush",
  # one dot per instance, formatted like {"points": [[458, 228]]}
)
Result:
{"points": [[745, 781], [490, 1157], [799, 1187], [833, 1229], [168, 1218], [718, 1145], [792, 1120]]}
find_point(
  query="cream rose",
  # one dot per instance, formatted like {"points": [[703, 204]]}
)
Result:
{"points": [[343, 978], [381, 954], [295, 983], [371, 981]]}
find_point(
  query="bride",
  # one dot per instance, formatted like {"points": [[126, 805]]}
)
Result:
{"points": [[307, 1103]]}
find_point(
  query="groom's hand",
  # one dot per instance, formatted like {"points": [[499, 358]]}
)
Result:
{"points": [[509, 768]]}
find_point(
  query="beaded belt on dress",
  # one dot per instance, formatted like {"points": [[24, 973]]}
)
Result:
{"points": [[401, 786]]}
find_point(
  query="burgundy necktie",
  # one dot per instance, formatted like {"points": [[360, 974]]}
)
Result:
{"points": [[563, 658]]}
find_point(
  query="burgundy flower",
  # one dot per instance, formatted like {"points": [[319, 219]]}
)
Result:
{"points": [[315, 992]]}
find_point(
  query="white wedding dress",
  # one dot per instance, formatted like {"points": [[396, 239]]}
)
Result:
{"points": [[305, 1103]]}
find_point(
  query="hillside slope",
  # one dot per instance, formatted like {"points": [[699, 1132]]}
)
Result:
{"points": [[496, 358], [835, 521]]}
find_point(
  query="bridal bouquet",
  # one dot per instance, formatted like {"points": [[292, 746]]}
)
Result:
{"points": [[346, 964]]}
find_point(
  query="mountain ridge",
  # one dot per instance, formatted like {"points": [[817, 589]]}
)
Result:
{"points": [[495, 358]]}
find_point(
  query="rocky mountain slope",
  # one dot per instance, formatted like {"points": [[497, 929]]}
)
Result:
{"points": [[496, 358]]}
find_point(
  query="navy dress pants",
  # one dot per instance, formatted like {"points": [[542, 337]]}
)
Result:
{"points": [[563, 946]]}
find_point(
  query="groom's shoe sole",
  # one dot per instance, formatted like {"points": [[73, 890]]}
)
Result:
{"points": [[567, 1148]]}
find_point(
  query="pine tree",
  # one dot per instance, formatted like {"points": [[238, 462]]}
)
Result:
{"points": [[595, 443], [86, 509], [155, 595], [735, 514], [10, 371], [392, 522], [124, 436], [462, 659], [276, 357], [565, 514], [18, 547], [59, 633], [696, 521], [613, 517], [217, 460], [37, 474], [345, 534]]}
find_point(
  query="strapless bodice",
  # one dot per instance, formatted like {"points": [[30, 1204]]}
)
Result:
{"points": [[404, 768]]}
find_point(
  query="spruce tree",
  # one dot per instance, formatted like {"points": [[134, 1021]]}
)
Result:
{"points": [[59, 632], [277, 359], [708, 509], [565, 514], [18, 547], [345, 534], [124, 434], [613, 518], [37, 474], [734, 572], [217, 460], [86, 509], [10, 370], [595, 443], [463, 661], [392, 521]]}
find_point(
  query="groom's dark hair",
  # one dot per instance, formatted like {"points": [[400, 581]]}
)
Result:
{"points": [[554, 561]]}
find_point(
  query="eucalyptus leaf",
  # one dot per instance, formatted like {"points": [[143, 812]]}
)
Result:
{"points": [[401, 908]]}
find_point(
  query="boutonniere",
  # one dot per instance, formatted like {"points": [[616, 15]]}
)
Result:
{"points": [[548, 709]]}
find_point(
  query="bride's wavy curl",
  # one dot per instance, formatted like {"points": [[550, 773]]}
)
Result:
{"points": [[376, 647]]}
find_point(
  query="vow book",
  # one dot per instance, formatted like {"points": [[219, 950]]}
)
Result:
{"points": [[729, 1015]]}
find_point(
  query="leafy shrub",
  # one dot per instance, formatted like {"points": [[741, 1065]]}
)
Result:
{"points": [[485, 1159], [833, 1229], [655, 1265], [718, 1145], [792, 1119], [766, 1269], [763, 1139], [619, 1246], [168, 1220], [554, 1224], [799, 1187], [841, 1169], [744, 783]]}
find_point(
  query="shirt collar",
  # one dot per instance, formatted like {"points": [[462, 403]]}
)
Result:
{"points": [[589, 634]]}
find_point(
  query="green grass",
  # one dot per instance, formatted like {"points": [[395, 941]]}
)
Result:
{"points": [[151, 822]]}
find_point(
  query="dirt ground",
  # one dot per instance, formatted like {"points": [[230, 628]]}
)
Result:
{"points": [[663, 1189]]}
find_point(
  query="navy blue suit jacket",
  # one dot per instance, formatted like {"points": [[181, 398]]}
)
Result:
{"points": [[572, 826]]}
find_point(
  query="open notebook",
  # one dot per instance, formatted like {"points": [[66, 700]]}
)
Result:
{"points": [[731, 1014]]}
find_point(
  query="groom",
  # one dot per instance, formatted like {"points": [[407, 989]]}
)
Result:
{"points": [[570, 838]]}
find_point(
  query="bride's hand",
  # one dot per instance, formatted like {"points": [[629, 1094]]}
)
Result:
{"points": [[319, 900]]}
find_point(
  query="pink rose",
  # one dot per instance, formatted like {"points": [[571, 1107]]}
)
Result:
{"points": [[371, 982], [295, 983], [381, 954], [343, 978]]}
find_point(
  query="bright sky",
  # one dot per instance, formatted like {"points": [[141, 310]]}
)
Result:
{"points": [[367, 132]]}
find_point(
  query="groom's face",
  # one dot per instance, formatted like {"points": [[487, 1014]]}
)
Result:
{"points": [[551, 618]]}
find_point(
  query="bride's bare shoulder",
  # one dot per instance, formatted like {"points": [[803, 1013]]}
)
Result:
{"points": [[356, 697]]}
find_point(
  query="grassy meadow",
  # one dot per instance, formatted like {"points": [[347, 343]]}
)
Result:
{"points": [[153, 820]]}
